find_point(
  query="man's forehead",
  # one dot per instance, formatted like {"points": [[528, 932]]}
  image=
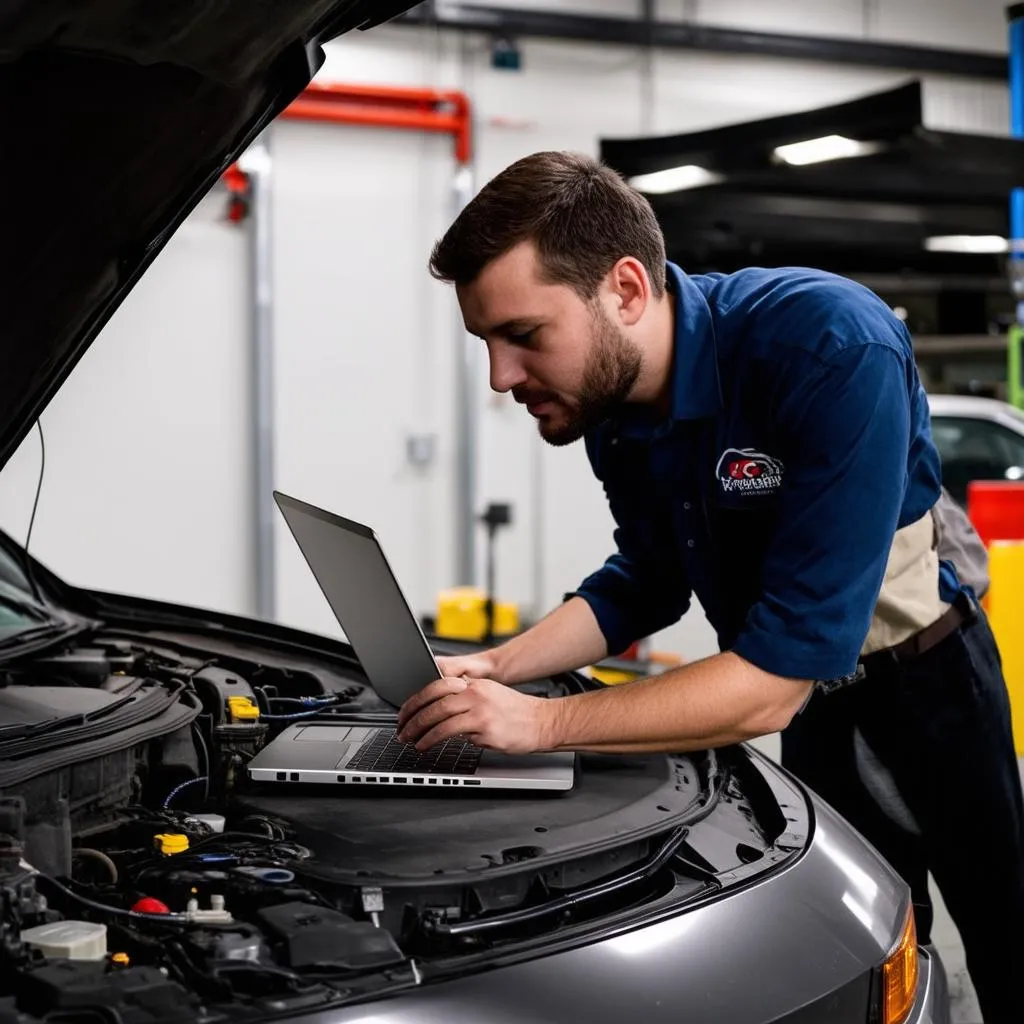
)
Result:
{"points": [[508, 289]]}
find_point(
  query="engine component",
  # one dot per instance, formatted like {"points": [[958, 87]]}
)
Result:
{"points": [[317, 936], [272, 876], [241, 943], [215, 822], [215, 915], [69, 940], [128, 994], [87, 666], [219, 690], [148, 905], [243, 709], [170, 843], [21, 905], [238, 732]]}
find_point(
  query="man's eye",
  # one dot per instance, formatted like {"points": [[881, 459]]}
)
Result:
{"points": [[521, 337]]}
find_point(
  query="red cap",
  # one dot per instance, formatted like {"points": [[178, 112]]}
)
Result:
{"points": [[148, 905]]}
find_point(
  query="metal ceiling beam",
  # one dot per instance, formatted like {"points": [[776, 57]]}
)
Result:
{"points": [[515, 22]]}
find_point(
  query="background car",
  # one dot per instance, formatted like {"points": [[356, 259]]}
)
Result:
{"points": [[977, 439]]}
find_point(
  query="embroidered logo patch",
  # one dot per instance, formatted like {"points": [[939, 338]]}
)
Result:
{"points": [[747, 471]]}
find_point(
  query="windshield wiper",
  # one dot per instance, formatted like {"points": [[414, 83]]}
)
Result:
{"points": [[18, 604], [22, 732], [32, 635]]}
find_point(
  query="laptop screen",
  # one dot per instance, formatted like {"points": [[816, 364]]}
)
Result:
{"points": [[355, 577]]}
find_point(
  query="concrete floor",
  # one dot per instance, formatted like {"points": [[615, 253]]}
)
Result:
{"points": [[944, 934]]}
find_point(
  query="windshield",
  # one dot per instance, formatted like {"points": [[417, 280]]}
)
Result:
{"points": [[18, 608]]}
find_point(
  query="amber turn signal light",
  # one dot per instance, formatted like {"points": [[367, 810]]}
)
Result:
{"points": [[899, 976]]}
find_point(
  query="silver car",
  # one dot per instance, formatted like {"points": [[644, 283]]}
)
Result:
{"points": [[144, 877]]}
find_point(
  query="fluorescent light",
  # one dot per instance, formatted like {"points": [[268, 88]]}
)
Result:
{"points": [[675, 179], [966, 243], [828, 147]]}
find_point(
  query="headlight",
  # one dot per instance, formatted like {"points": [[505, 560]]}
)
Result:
{"points": [[899, 976]]}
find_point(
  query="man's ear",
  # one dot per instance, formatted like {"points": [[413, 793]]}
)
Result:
{"points": [[629, 290]]}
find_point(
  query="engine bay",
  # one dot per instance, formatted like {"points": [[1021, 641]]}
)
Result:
{"points": [[142, 870]]}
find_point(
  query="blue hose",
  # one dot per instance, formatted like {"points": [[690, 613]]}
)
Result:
{"points": [[177, 789]]}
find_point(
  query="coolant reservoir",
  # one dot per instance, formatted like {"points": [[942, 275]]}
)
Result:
{"points": [[69, 940]]}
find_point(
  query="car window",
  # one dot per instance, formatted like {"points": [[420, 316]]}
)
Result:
{"points": [[12, 573], [17, 612], [976, 449]]}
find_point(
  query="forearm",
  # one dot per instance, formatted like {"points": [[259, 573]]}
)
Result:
{"points": [[711, 703], [567, 639]]}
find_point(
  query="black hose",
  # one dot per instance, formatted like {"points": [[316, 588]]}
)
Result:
{"points": [[84, 851], [137, 915]]}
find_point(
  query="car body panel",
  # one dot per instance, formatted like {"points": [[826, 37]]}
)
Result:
{"points": [[789, 949], [976, 407]]}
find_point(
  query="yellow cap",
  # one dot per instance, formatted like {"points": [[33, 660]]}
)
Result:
{"points": [[170, 843], [242, 709], [122, 959]]}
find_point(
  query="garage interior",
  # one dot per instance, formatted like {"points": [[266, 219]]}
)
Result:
{"points": [[316, 356]]}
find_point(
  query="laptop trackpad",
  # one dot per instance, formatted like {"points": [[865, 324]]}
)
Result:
{"points": [[332, 734]]}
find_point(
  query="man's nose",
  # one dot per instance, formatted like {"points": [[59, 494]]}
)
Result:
{"points": [[506, 369]]}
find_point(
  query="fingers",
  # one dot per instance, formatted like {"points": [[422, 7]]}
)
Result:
{"points": [[432, 714], [456, 725], [435, 691]]}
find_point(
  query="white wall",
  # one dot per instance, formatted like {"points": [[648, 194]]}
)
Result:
{"points": [[148, 483], [148, 471], [364, 354]]}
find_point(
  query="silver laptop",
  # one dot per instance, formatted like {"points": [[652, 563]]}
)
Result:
{"points": [[349, 564]]}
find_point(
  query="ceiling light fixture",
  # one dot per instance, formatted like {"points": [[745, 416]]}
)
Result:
{"points": [[674, 179], [967, 243], [828, 147]]}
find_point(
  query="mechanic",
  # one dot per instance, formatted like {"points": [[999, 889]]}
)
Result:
{"points": [[763, 440]]}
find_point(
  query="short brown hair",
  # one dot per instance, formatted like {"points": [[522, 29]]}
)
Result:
{"points": [[580, 214]]}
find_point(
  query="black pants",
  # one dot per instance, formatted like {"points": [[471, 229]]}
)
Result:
{"points": [[940, 724]]}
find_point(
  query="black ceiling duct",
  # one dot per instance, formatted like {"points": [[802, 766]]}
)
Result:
{"points": [[862, 215]]}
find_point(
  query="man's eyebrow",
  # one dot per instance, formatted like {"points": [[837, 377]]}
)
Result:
{"points": [[518, 325]]}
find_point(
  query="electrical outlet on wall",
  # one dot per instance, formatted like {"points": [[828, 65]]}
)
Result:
{"points": [[420, 449]]}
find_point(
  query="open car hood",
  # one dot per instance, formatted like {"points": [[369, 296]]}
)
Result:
{"points": [[117, 117]]}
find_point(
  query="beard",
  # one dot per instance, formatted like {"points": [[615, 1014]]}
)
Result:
{"points": [[612, 368]]}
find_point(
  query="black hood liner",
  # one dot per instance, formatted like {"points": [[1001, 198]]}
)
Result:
{"points": [[116, 118]]}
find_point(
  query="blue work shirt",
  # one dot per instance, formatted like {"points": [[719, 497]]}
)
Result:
{"points": [[797, 443]]}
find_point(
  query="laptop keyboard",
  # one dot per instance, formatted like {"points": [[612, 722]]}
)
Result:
{"points": [[384, 752]]}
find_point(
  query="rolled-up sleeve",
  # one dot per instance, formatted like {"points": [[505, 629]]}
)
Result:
{"points": [[845, 432], [635, 593]]}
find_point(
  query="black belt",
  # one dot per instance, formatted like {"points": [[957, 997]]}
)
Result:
{"points": [[961, 612]]}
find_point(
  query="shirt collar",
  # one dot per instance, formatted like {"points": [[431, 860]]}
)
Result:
{"points": [[693, 376], [696, 389]]}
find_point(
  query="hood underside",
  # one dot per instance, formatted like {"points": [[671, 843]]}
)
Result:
{"points": [[116, 118]]}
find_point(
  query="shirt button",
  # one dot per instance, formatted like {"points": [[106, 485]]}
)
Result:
{"points": [[687, 506], [691, 543]]}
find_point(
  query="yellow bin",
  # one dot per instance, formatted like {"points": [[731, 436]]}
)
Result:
{"points": [[462, 615], [1005, 604]]}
